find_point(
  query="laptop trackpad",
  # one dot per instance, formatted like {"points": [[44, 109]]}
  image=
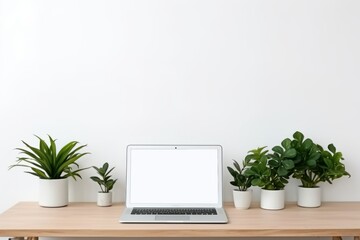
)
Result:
{"points": [[171, 218]]}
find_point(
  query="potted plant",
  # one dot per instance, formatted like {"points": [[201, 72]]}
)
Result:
{"points": [[242, 195], [106, 183], [270, 172], [52, 167], [314, 164]]}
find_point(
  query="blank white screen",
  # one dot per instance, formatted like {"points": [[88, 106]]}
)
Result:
{"points": [[174, 176]]}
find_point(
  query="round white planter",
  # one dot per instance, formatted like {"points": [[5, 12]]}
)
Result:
{"points": [[272, 199], [309, 197], [242, 199], [53, 192], [104, 199]]}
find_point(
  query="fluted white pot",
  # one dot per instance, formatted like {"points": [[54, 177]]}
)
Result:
{"points": [[272, 199], [309, 197], [242, 199], [104, 199], [53, 192]]}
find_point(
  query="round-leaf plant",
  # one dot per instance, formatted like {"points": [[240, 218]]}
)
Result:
{"points": [[271, 171], [314, 164]]}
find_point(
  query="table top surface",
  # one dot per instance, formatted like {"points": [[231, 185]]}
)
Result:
{"points": [[87, 219]]}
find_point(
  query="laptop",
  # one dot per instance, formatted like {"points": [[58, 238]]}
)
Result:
{"points": [[174, 184]]}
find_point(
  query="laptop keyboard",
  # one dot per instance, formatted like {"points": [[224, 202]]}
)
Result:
{"points": [[174, 211]]}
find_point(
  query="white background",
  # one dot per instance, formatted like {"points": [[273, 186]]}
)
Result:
{"points": [[241, 74]]}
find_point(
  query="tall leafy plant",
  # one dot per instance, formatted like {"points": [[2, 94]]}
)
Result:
{"points": [[46, 163]]}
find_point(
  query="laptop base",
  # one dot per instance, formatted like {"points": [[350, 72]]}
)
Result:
{"points": [[127, 217]]}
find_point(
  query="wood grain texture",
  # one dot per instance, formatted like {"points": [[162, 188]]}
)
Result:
{"points": [[88, 220]]}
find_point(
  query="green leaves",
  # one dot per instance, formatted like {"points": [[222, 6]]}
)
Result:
{"points": [[290, 153], [105, 181], [270, 170], [298, 136], [241, 180], [314, 164], [46, 163], [298, 157]]}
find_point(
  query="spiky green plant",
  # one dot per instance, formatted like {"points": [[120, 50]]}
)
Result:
{"points": [[105, 181], [46, 163]]}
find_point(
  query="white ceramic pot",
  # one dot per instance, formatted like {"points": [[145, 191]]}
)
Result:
{"points": [[309, 197], [53, 192], [242, 199], [104, 199], [272, 199]]}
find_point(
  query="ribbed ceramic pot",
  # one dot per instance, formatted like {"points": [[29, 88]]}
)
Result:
{"points": [[53, 192], [104, 199]]}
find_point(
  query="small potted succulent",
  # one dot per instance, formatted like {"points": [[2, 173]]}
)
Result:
{"points": [[314, 164], [242, 195], [106, 184], [52, 167], [270, 172]]}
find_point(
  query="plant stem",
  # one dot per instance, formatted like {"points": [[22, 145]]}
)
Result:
{"points": [[102, 190]]}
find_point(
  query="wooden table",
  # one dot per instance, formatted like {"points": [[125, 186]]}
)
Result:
{"points": [[88, 220]]}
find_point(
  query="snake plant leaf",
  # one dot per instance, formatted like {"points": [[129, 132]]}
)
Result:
{"points": [[70, 161], [64, 152], [77, 149], [37, 152], [26, 152], [35, 159], [53, 149], [40, 173]]}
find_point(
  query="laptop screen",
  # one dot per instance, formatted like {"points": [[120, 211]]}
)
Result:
{"points": [[174, 176]]}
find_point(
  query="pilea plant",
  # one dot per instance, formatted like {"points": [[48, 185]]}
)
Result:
{"points": [[314, 164], [271, 171]]}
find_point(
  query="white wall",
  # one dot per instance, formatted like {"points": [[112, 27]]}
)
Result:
{"points": [[238, 73]]}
